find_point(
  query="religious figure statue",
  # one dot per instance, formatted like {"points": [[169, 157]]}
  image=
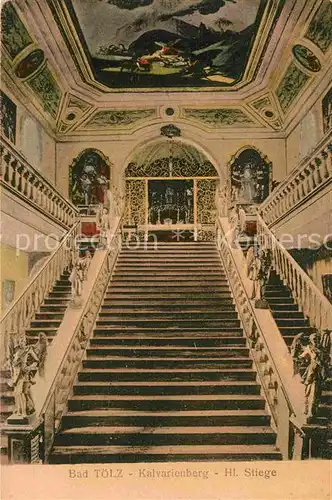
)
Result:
{"points": [[234, 221], [221, 200], [104, 226], [312, 360], [259, 263], [78, 274]]}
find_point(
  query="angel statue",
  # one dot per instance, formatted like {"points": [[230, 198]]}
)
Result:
{"points": [[25, 361], [312, 361]]}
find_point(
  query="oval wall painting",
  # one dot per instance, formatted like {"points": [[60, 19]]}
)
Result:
{"points": [[307, 58], [30, 64]]}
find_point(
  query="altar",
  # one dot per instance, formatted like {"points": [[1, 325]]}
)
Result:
{"points": [[172, 198]]}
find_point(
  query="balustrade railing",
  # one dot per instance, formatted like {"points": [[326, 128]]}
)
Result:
{"points": [[24, 180], [57, 396], [283, 403], [17, 318], [303, 182], [309, 298]]}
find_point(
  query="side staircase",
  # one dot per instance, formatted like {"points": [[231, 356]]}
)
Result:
{"points": [[291, 322], [167, 374], [47, 320]]}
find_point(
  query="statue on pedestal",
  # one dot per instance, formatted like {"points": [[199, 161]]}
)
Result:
{"points": [[259, 262], [312, 361], [24, 362], [104, 226], [78, 275]]}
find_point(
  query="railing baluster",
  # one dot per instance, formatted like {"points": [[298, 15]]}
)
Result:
{"points": [[300, 183], [309, 298], [20, 176]]}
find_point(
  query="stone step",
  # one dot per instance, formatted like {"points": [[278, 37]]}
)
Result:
{"points": [[49, 316], [166, 363], [288, 314], [168, 271], [50, 308], [139, 302], [134, 341], [291, 322], [196, 334], [194, 374], [136, 436], [166, 403], [171, 293], [181, 453], [158, 419], [44, 323], [161, 280], [161, 262], [161, 322], [139, 351], [208, 314], [167, 388]]}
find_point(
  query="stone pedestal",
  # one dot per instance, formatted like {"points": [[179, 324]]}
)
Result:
{"points": [[25, 436]]}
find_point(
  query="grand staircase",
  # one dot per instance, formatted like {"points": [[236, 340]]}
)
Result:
{"points": [[167, 375]]}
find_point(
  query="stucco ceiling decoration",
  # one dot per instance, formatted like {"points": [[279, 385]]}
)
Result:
{"points": [[267, 108], [74, 110], [110, 119], [175, 44], [226, 117]]}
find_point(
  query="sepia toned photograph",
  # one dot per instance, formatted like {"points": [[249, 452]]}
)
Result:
{"points": [[166, 249]]}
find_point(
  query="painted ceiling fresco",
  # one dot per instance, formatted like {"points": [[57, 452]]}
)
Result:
{"points": [[167, 43]]}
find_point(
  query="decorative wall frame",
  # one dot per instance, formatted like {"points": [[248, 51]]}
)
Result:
{"points": [[89, 177], [249, 176]]}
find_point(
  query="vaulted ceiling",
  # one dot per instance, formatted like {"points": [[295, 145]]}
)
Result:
{"points": [[218, 64]]}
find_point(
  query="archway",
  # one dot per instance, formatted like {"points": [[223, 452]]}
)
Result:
{"points": [[170, 192]]}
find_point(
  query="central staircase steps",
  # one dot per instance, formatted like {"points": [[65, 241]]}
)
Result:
{"points": [[167, 374]]}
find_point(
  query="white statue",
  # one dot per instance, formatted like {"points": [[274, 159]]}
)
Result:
{"points": [[104, 225], [78, 274]]}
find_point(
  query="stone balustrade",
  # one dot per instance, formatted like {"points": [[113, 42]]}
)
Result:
{"points": [[284, 394], [23, 180], [311, 176], [52, 408], [314, 305]]}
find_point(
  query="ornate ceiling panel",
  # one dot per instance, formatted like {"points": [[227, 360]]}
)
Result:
{"points": [[220, 117], [159, 44]]}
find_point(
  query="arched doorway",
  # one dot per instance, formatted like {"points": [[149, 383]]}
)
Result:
{"points": [[170, 193]]}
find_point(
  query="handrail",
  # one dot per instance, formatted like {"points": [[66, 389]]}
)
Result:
{"points": [[310, 176], [17, 318], [21, 178], [52, 408], [275, 386], [309, 298]]}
